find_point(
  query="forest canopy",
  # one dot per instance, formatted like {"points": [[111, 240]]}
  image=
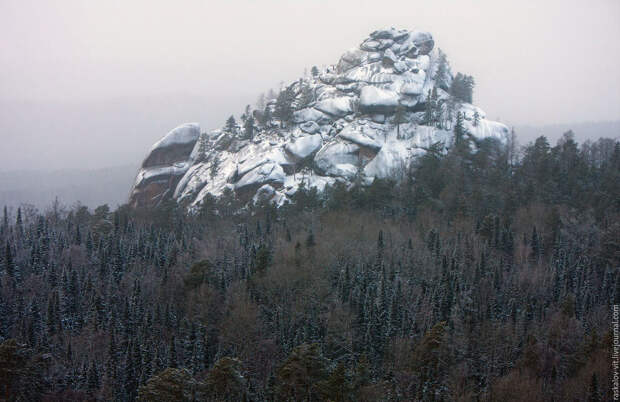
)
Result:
{"points": [[480, 272]]}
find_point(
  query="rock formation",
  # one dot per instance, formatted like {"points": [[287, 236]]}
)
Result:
{"points": [[366, 116]]}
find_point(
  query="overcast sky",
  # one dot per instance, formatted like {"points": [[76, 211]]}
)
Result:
{"points": [[95, 83]]}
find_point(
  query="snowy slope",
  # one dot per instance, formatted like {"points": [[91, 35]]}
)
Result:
{"points": [[347, 127]]}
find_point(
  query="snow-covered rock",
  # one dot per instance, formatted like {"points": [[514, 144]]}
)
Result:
{"points": [[305, 146], [336, 106], [265, 173], [183, 134], [337, 159], [309, 114], [310, 127], [343, 125], [166, 163], [360, 135], [377, 100]]}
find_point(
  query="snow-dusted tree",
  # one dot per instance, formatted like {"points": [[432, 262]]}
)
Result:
{"points": [[428, 109], [442, 74], [462, 87], [284, 106], [260, 102], [399, 118], [248, 127], [460, 142], [231, 125], [306, 97], [246, 113], [202, 148]]}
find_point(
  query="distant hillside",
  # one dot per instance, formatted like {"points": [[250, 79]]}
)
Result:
{"points": [[583, 131], [90, 187]]}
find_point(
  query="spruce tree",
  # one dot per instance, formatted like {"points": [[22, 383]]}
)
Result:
{"points": [[441, 76], [9, 265], [459, 132], [284, 106], [429, 109], [202, 148], [594, 394], [5, 219], [93, 378], [248, 128], [231, 125], [172, 353]]}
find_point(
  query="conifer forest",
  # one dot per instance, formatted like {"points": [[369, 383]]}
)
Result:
{"points": [[486, 272]]}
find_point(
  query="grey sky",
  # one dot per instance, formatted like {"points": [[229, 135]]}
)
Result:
{"points": [[94, 83]]}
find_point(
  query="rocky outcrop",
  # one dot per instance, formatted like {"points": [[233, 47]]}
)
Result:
{"points": [[166, 163], [363, 117]]}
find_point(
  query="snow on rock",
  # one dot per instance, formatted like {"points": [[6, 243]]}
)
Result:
{"points": [[360, 135], [305, 146], [377, 100], [310, 114], [391, 161], [345, 128], [337, 159], [165, 172], [310, 127], [183, 134], [336, 106], [265, 173], [264, 193], [486, 128], [351, 58], [164, 166]]}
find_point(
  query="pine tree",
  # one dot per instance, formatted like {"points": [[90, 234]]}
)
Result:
{"points": [[460, 142], [301, 375], [246, 113], [5, 220], [469, 88], [284, 106], [93, 378], [314, 71], [248, 128], [260, 102], [78, 235], [18, 221], [267, 116], [202, 148], [173, 359], [306, 97], [380, 243], [442, 76], [9, 265], [594, 393], [231, 125], [429, 109], [462, 87], [535, 244], [399, 118]]}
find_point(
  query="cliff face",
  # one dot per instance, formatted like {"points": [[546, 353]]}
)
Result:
{"points": [[165, 164], [365, 117]]}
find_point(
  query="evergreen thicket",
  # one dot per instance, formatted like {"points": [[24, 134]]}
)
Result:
{"points": [[483, 273]]}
